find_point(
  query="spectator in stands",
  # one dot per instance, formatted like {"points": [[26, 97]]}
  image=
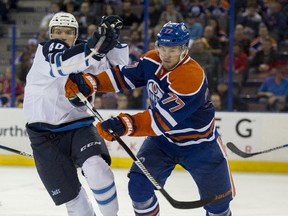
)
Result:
{"points": [[108, 10], [90, 30], [153, 21], [276, 20], [241, 37], [195, 27], [135, 99], [240, 64], [171, 14], [42, 35], [82, 30], [216, 101], [250, 18], [205, 58], [25, 59], [264, 60], [214, 46], [6, 81], [130, 19], [274, 90], [221, 34], [135, 47], [68, 6], [237, 103], [98, 102], [55, 7], [211, 42], [86, 15], [217, 8], [256, 44], [283, 45], [4, 98], [122, 101], [197, 8], [154, 13]]}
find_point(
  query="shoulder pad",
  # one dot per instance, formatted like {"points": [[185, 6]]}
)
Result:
{"points": [[153, 54], [53, 46], [187, 78]]}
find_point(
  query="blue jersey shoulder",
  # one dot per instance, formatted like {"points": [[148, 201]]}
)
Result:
{"points": [[54, 46]]}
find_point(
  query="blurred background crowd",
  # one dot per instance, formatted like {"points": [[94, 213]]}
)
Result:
{"points": [[260, 45]]}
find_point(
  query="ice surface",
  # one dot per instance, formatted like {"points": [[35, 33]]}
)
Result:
{"points": [[22, 194]]}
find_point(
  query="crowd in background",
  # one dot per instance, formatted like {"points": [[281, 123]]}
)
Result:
{"points": [[260, 50]]}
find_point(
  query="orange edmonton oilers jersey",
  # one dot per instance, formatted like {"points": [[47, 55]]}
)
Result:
{"points": [[180, 110]]}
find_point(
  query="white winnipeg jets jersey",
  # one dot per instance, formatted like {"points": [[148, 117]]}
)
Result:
{"points": [[44, 96]]}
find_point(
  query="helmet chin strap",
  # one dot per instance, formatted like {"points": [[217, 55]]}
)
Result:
{"points": [[182, 56]]}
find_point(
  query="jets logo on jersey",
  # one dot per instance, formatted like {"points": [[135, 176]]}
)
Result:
{"points": [[155, 93]]}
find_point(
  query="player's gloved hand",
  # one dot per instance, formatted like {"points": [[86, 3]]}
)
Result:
{"points": [[84, 83], [109, 42], [115, 21], [123, 124]]}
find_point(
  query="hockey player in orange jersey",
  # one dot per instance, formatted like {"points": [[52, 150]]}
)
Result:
{"points": [[179, 124]]}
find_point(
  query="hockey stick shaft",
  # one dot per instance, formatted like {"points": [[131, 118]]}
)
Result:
{"points": [[243, 154], [94, 51], [173, 202], [16, 151]]}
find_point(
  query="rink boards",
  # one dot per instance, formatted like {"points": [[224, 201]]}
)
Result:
{"points": [[251, 132]]}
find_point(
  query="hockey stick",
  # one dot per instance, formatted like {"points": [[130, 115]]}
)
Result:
{"points": [[237, 151], [173, 202], [94, 51], [16, 151]]}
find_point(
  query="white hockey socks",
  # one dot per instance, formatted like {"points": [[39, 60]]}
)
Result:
{"points": [[101, 181], [80, 205]]}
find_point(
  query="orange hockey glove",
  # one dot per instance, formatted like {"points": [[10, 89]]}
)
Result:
{"points": [[84, 83], [123, 124]]}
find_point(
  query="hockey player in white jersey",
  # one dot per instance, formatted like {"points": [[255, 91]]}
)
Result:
{"points": [[61, 132]]}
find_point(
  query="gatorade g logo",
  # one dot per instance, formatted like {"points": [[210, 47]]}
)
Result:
{"points": [[155, 93]]}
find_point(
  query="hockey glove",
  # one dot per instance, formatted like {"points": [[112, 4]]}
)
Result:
{"points": [[115, 21], [84, 83], [108, 44], [123, 124]]}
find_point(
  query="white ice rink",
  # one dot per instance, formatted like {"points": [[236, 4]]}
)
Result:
{"points": [[22, 194]]}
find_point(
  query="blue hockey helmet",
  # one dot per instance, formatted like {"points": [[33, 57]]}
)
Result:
{"points": [[173, 34]]}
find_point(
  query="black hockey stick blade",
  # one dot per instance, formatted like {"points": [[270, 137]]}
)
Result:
{"points": [[187, 204], [16, 151], [237, 151]]}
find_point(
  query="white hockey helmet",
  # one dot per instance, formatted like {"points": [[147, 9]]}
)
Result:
{"points": [[63, 19]]}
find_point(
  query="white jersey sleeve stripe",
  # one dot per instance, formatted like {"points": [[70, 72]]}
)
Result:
{"points": [[111, 77], [58, 62], [166, 115], [154, 125]]}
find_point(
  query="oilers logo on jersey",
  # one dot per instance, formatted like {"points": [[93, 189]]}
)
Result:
{"points": [[155, 93]]}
